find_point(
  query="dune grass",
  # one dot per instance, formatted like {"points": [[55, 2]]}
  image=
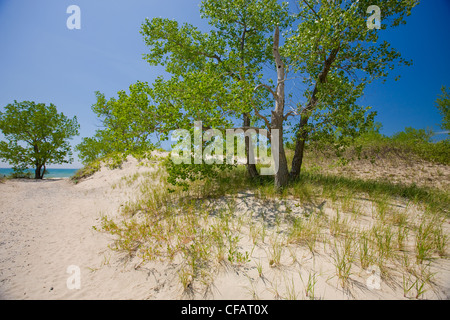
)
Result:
{"points": [[203, 230]]}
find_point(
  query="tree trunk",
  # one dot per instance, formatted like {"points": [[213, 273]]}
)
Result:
{"points": [[251, 166], [282, 174], [38, 163], [302, 134], [299, 148], [37, 172]]}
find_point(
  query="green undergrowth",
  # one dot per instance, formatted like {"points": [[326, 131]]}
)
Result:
{"points": [[434, 199], [412, 144]]}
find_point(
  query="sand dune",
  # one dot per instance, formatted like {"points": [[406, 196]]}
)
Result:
{"points": [[46, 230], [46, 226]]}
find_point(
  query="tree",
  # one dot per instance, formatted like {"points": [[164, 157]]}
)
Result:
{"points": [[217, 76], [277, 115], [331, 48], [443, 104], [37, 135], [214, 73], [128, 123], [337, 56]]}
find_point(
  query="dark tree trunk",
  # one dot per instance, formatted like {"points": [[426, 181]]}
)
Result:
{"points": [[38, 163], [37, 172], [282, 174], [302, 136], [251, 166]]}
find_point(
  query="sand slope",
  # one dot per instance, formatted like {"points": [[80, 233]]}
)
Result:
{"points": [[46, 226]]}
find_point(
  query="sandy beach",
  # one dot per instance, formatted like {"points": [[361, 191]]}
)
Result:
{"points": [[46, 227], [47, 233]]}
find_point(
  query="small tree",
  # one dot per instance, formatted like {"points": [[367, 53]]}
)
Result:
{"points": [[127, 125], [37, 135], [443, 104]]}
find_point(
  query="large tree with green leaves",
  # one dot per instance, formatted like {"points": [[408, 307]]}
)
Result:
{"points": [[214, 73], [217, 76], [37, 135], [337, 55]]}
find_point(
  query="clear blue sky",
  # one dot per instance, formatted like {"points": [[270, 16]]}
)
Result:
{"points": [[42, 60]]}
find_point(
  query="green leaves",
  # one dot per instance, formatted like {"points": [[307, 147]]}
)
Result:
{"points": [[37, 135], [129, 121], [213, 73], [338, 56], [443, 104]]}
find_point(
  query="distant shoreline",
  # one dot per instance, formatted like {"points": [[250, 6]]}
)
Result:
{"points": [[52, 173]]}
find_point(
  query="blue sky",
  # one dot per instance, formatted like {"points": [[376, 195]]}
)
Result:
{"points": [[42, 60]]}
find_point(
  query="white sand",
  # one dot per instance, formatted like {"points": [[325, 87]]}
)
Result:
{"points": [[46, 226]]}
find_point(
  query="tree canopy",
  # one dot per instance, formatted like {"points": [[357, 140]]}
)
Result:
{"points": [[218, 76], [234, 77], [37, 135], [127, 124]]}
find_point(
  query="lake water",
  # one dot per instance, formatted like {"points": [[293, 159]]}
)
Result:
{"points": [[52, 173]]}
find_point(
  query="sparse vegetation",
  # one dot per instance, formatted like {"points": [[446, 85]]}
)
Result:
{"points": [[232, 223], [87, 171]]}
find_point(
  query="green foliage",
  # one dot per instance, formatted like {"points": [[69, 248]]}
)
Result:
{"points": [[410, 141], [18, 173], [443, 104], [435, 199], [338, 56], [92, 148], [413, 136], [87, 171], [128, 123], [213, 73], [437, 152], [183, 174], [37, 135], [419, 142]]}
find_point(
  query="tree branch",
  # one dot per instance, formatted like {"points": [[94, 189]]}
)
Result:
{"points": [[262, 85], [312, 9], [290, 114]]}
